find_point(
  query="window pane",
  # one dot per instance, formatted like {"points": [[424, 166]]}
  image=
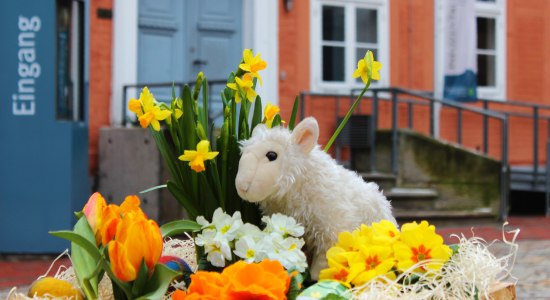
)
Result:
{"points": [[366, 25], [333, 63], [333, 23], [486, 33], [486, 70]]}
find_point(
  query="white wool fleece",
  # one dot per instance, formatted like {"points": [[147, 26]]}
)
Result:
{"points": [[306, 183]]}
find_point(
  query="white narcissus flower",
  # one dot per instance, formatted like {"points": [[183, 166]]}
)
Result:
{"points": [[246, 248], [251, 231], [284, 225]]}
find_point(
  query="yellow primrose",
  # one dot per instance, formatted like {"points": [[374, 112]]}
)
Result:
{"points": [[152, 113], [367, 68], [252, 64], [339, 268], [419, 242], [370, 262], [384, 233], [270, 112], [196, 158], [245, 86]]}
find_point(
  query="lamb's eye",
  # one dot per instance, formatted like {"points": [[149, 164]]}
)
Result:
{"points": [[271, 155]]}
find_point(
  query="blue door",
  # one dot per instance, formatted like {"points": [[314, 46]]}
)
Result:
{"points": [[177, 39], [43, 131]]}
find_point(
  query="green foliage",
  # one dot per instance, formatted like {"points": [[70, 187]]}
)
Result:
{"points": [[201, 193]]}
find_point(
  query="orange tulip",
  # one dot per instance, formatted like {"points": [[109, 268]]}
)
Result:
{"points": [[137, 239], [93, 211], [107, 224]]}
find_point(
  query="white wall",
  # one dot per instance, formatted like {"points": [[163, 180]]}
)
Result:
{"points": [[124, 60]]}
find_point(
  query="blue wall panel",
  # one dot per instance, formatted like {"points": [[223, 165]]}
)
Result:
{"points": [[44, 169]]}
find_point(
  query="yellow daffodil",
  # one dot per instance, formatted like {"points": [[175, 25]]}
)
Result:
{"points": [[151, 114], [270, 112], [371, 261], [196, 158], [245, 86], [135, 106], [367, 68], [419, 242], [252, 64]]}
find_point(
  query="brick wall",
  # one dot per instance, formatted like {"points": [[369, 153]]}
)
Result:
{"points": [[412, 66], [100, 76], [294, 52]]}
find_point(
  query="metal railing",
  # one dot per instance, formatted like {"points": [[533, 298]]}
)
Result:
{"points": [[178, 86], [424, 99]]}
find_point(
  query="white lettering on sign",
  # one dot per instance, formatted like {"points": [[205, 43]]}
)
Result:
{"points": [[29, 69]]}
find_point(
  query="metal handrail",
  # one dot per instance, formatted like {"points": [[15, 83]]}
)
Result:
{"points": [[175, 84], [395, 100]]}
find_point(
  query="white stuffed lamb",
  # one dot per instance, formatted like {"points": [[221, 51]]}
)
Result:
{"points": [[286, 172]]}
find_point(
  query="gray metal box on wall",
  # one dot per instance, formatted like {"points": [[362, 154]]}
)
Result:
{"points": [[129, 162]]}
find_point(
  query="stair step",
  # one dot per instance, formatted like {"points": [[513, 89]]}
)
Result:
{"points": [[412, 198], [411, 193], [386, 181]]}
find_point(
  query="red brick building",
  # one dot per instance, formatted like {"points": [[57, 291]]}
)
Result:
{"points": [[403, 34]]}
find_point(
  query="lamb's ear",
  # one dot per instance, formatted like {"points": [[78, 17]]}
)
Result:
{"points": [[305, 134]]}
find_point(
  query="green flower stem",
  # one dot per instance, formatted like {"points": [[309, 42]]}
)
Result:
{"points": [[345, 120], [122, 285]]}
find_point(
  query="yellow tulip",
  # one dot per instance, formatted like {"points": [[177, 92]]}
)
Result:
{"points": [[137, 239]]}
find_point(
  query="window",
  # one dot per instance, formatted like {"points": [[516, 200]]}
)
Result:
{"points": [[491, 48], [342, 32], [491, 58]]}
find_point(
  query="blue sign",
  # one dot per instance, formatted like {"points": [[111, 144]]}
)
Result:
{"points": [[44, 170]]}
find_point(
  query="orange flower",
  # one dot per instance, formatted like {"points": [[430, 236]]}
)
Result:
{"points": [[265, 280], [103, 218], [136, 239], [93, 211]]}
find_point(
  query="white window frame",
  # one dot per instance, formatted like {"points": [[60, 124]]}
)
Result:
{"points": [[495, 10], [344, 87]]}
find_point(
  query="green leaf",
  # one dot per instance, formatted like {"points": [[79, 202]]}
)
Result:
{"points": [[141, 279], [292, 120], [277, 121], [294, 288], [85, 255], [159, 282], [205, 94], [257, 116], [183, 199], [179, 227], [153, 188], [455, 248], [334, 297]]}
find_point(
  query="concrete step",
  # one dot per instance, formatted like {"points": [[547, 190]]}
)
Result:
{"points": [[412, 198], [386, 181], [455, 218]]}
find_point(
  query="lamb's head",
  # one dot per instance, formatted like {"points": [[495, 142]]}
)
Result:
{"points": [[272, 159]]}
